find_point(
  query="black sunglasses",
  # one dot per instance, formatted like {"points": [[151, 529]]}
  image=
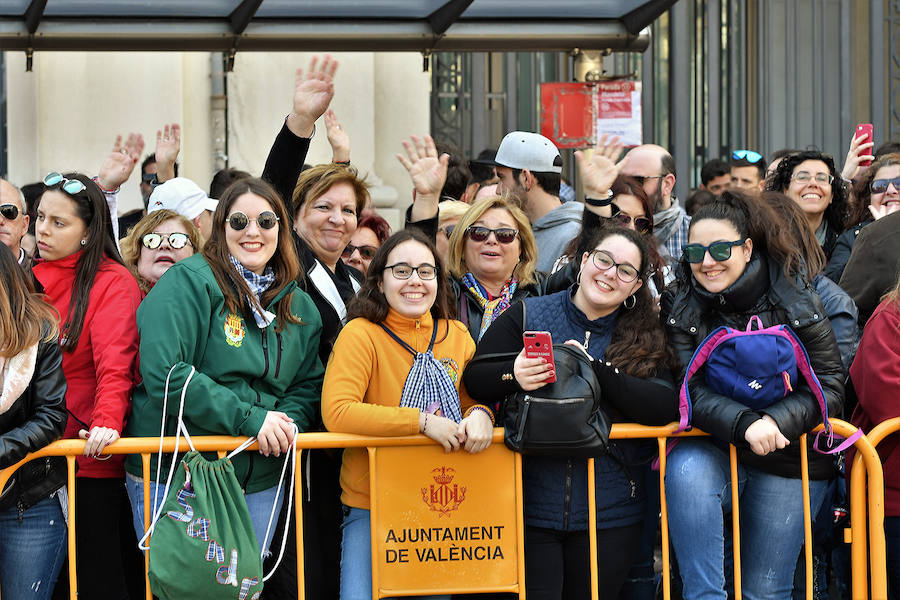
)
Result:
{"points": [[447, 230], [719, 251], [176, 240], [879, 186], [641, 224], [265, 220], [367, 252], [642, 178], [504, 235], [10, 212]]}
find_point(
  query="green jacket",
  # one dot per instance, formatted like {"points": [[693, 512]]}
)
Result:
{"points": [[242, 371]]}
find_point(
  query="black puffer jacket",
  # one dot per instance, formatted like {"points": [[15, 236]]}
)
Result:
{"points": [[35, 420], [690, 313]]}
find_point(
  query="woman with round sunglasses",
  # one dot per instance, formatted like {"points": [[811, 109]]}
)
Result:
{"points": [[811, 180], [156, 242], [401, 313], [234, 313], [32, 415], [96, 296], [370, 234], [876, 193], [610, 314], [741, 262]]}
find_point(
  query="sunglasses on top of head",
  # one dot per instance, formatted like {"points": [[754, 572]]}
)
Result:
{"points": [[718, 251], [176, 240], [10, 212], [749, 155], [264, 220], [504, 235], [69, 186]]}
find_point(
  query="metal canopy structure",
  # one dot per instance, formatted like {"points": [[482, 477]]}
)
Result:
{"points": [[332, 25]]}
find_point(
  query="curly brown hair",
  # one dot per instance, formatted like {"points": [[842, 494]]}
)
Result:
{"points": [[862, 192]]}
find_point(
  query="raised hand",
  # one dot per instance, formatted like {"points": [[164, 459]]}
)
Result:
{"points": [[428, 172], [117, 167], [312, 95], [168, 145], [338, 138], [857, 153], [600, 170]]}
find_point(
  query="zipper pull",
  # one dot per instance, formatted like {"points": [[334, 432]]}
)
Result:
{"points": [[587, 339], [633, 488]]}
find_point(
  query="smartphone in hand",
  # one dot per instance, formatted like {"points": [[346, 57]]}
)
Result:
{"points": [[866, 129], [539, 344]]}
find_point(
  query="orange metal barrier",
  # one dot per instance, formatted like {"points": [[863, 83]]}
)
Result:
{"points": [[866, 459]]}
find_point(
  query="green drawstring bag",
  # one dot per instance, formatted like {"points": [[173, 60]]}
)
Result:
{"points": [[204, 546]]}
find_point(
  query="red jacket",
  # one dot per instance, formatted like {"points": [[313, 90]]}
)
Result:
{"points": [[876, 378], [102, 370]]}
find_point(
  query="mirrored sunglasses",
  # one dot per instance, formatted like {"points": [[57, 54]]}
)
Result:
{"points": [[748, 155], [447, 230], [69, 186], [265, 220], [504, 235], [367, 252], [879, 186], [718, 251], [10, 212], [176, 240]]}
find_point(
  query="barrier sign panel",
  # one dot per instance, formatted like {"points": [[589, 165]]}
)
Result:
{"points": [[442, 522], [574, 115]]}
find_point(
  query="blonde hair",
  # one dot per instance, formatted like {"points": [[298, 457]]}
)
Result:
{"points": [[524, 270], [131, 243], [893, 295], [452, 209]]}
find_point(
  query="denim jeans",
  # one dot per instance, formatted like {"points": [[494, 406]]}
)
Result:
{"points": [[259, 504], [31, 552], [698, 494], [356, 556]]}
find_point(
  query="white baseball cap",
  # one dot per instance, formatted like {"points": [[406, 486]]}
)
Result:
{"points": [[526, 150], [183, 196]]}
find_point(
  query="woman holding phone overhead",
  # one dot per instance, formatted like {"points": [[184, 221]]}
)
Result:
{"points": [[396, 371], [610, 314]]}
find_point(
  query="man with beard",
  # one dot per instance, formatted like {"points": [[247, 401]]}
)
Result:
{"points": [[654, 167]]}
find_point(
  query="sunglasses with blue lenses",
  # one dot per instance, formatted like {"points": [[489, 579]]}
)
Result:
{"points": [[69, 186], [749, 155], [718, 251]]}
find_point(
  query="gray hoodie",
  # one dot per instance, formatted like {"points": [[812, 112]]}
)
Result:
{"points": [[554, 231]]}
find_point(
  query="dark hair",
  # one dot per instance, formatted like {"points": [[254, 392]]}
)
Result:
{"points": [[223, 178], [99, 243], [798, 227], [756, 220], [782, 152], [284, 263], [760, 165], [24, 315], [836, 212], [150, 160], [458, 173], [667, 163], [371, 304], [549, 182], [378, 225], [712, 169], [32, 193], [697, 199], [481, 172], [886, 148], [862, 194], [638, 345]]}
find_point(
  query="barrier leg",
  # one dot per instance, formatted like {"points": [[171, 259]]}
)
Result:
{"points": [[664, 520], [148, 509], [298, 518], [520, 526], [592, 528], [70, 481], [735, 522], [807, 517]]}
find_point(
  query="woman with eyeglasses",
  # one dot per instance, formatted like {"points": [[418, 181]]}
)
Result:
{"points": [[156, 242], [741, 262], [375, 383], [611, 315], [234, 313], [876, 193], [32, 415], [370, 234], [96, 296], [811, 180]]}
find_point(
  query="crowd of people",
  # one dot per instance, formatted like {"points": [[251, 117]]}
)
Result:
{"points": [[284, 302]]}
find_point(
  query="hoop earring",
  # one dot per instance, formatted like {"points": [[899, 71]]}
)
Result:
{"points": [[633, 302]]}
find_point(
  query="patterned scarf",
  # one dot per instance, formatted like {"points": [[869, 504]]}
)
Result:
{"points": [[428, 385], [258, 284], [492, 308]]}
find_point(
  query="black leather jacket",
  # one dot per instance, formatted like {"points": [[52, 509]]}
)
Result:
{"points": [[35, 420], [690, 313]]}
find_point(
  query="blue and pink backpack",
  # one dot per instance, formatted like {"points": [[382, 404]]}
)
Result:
{"points": [[755, 367]]}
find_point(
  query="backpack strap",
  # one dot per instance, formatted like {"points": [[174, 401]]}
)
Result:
{"points": [[701, 355]]}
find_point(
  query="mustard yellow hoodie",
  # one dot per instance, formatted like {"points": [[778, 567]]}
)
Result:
{"points": [[364, 381]]}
